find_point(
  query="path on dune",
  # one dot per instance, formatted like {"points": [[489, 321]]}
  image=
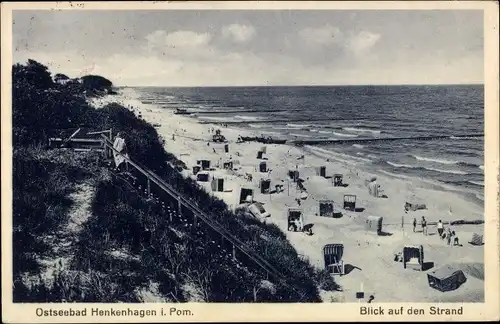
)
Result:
{"points": [[63, 242]]}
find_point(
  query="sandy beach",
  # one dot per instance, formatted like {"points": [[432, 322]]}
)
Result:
{"points": [[369, 258]]}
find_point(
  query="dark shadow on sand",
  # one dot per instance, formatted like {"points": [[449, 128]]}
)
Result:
{"points": [[359, 209], [427, 265], [385, 234], [349, 267], [337, 215]]}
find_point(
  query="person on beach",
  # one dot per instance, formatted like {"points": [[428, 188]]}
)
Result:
{"points": [[414, 225], [455, 239], [440, 228], [448, 236], [121, 151], [424, 226]]}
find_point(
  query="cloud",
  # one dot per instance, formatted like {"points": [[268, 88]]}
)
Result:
{"points": [[178, 39], [325, 35], [361, 43], [239, 33]]}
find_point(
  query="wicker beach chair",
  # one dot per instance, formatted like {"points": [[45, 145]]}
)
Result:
{"points": [[332, 254]]}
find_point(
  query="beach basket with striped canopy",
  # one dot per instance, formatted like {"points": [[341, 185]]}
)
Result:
{"points": [[476, 239], [332, 254]]}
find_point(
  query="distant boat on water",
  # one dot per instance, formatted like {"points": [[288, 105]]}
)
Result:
{"points": [[180, 111]]}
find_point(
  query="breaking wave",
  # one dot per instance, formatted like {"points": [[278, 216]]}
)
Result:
{"points": [[344, 135], [407, 166], [361, 130], [297, 125], [442, 161], [447, 171], [252, 118], [447, 162]]}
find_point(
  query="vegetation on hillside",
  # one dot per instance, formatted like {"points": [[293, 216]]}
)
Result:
{"points": [[128, 243]]}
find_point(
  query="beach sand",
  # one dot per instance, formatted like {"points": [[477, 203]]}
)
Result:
{"points": [[369, 258]]}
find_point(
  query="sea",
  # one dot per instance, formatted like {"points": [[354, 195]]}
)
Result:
{"points": [[357, 112]]}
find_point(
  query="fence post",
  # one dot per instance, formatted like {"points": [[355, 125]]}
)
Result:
{"points": [[149, 188], [234, 252], [179, 205]]}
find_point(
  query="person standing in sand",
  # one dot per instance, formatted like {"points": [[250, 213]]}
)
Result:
{"points": [[448, 236], [120, 146], [414, 225], [440, 228], [424, 226]]}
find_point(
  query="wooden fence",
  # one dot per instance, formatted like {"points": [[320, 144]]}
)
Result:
{"points": [[208, 220]]}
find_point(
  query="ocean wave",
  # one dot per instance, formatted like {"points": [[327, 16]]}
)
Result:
{"points": [[466, 138], [270, 133], [344, 135], [359, 146], [335, 155], [252, 118], [407, 166], [285, 128], [478, 183], [481, 167], [435, 160], [361, 130], [314, 130], [300, 135], [447, 162], [298, 125], [324, 132], [257, 125], [396, 165], [221, 119], [446, 171]]}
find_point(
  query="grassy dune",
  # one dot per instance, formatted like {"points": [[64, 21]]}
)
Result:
{"points": [[127, 246]]}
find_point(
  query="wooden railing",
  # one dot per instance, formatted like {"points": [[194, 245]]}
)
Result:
{"points": [[206, 218]]}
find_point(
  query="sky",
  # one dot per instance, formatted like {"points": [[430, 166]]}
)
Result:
{"points": [[258, 47]]}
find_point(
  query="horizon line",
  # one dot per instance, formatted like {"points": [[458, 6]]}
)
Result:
{"points": [[300, 85]]}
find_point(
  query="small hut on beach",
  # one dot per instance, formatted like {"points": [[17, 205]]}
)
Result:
{"points": [[332, 254], [246, 195], [338, 180], [293, 175], [205, 164], [374, 224], [350, 202], [295, 218], [321, 171], [265, 185], [203, 176], [446, 278], [326, 208], [263, 166], [373, 188], [413, 257], [477, 239], [217, 184], [228, 165]]}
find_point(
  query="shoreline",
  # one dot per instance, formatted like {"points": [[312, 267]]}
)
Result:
{"points": [[190, 144]]}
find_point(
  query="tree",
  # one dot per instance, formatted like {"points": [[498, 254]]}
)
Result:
{"points": [[60, 77], [33, 73], [96, 82]]}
